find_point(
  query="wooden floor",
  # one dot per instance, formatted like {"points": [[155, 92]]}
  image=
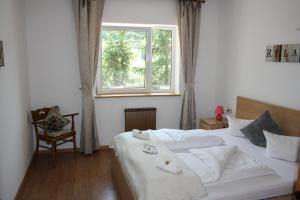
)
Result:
{"points": [[74, 176]]}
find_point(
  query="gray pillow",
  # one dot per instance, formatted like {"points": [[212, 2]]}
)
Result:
{"points": [[254, 131]]}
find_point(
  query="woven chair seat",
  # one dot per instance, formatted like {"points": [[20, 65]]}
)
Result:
{"points": [[59, 133]]}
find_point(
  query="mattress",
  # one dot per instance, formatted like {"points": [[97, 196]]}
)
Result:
{"points": [[262, 187]]}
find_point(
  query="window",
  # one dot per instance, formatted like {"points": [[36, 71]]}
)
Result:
{"points": [[137, 59]]}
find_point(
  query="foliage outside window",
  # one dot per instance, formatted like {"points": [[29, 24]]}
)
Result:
{"points": [[136, 59]]}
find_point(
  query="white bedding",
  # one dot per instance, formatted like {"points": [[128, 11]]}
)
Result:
{"points": [[147, 178], [227, 187], [174, 139], [239, 167], [260, 187], [285, 169], [211, 161]]}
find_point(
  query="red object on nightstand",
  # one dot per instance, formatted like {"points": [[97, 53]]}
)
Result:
{"points": [[219, 112]]}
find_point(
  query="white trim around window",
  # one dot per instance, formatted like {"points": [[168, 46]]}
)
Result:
{"points": [[147, 89]]}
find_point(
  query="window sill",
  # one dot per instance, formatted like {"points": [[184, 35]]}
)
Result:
{"points": [[136, 95]]}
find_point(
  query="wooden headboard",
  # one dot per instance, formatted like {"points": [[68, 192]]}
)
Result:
{"points": [[288, 119]]}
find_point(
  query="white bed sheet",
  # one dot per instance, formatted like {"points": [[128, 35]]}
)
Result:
{"points": [[252, 188], [258, 187]]}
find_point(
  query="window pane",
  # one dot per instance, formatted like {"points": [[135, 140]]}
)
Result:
{"points": [[123, 59], [161, 59]]}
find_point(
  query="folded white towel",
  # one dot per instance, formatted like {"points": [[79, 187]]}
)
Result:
{"points": [[144, 135], [168, 165]]}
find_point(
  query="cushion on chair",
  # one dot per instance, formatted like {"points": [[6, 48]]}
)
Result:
{"points": [[55, 108], [55, 122], [59, 133]]}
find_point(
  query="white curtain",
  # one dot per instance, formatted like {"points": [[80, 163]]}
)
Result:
{"points": [[88, 18], [189, 26]]}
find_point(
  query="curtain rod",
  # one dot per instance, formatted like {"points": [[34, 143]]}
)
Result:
{"points": [[201, 1]]}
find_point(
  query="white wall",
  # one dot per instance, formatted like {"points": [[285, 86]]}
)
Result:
{"points": [[52, 53], [141, 11], [16, 138], [246, 27], [54, 74], [206, 74], [110, 115]]}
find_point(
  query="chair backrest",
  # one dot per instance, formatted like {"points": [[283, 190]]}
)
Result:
{"points": [[41, 113]]}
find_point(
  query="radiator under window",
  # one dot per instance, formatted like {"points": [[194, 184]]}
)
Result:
{"points": [[140, 118]]}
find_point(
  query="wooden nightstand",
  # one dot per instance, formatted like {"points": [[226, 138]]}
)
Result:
{"points": [[212, 123]]}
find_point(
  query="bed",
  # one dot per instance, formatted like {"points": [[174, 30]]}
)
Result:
{"points": [[259, 187]]}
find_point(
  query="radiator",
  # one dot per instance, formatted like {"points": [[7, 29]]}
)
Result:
{"points": [[140, 118]]}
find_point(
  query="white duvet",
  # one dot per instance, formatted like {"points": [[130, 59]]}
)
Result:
{"points": [[150, 182], [174, 139], [214, 160], [222, 164], [209, 162]]}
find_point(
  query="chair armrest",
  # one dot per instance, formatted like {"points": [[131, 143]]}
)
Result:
{"points": [[69, 115], [72, 116], [37, 129]]}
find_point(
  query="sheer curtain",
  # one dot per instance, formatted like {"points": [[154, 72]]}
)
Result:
{"points": [[88, 17], [188, 14]]}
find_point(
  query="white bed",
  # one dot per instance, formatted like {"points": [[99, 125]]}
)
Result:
{"points": [[262, 187], [278, 183]]}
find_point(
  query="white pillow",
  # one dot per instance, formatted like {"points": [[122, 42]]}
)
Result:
{"points": [[235, 126], [282, 146]]}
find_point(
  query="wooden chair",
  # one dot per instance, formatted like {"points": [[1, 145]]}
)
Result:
{"points": [[69, 135]]}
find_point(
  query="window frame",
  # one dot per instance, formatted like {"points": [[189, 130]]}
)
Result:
{"points": [[148, 63]]}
